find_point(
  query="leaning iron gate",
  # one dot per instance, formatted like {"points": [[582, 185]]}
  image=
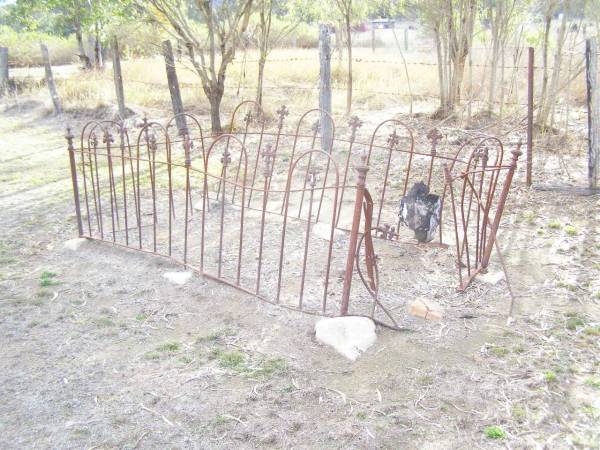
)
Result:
{"points": [[279, 214]]}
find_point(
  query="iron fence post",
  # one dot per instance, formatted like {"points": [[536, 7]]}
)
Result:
{"points": [[361, 170], [71, 149], [501, 202]]}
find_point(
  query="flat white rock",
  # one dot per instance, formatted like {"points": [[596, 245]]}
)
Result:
{"points": [[323, 231], [178, 277], [349, 335], [74, 244], [492, 278]]}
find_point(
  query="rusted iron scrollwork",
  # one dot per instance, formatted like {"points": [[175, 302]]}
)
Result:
{"points": [[262, 207]]}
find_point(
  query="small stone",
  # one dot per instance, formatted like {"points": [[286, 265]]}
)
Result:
{"points": [[425, 309], [179, 278], [74, 244], [349, 335], [323, 231], [491, 278]]}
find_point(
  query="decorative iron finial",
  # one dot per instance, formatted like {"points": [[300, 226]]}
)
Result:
{"points": [[434, 136], [393, 139], [316, 127], [226, 158], [355, 123], [248, 118], [268, 158], [312, 176], [282, 113]]}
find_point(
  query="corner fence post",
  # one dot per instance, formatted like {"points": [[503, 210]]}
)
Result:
{"points": [[325, 86], [4, 79], [361, 170], [501, 202], [593, 109], [71, 149], [530, 76], [118, 77]]}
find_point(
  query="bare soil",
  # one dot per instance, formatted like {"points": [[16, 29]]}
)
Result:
{"points": [[98, 350]]}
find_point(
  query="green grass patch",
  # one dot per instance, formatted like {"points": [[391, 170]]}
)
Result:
{"points": [[573, 323], [593, 382], [152, 356], [518, 413], [550, 376], [494, 432], [555, 225], [592, 331], [215, 336], [231, 360], [570, 230], [169, 347], [103, 322], [48, 279], [498, 351], [271, 367]]}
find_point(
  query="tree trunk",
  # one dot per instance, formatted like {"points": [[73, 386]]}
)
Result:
{"points": [[261, 74], [97, 49], [349, 44], [87, 65], [215, 95], [441, 76], [547, 27]]}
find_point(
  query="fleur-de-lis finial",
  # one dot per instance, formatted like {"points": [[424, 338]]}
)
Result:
{"points": [[107, 138], [316, 127], [248, 118], [393, 139], [312, 176], [355, 123], [282, 113], [226, 158], [268, 155]]}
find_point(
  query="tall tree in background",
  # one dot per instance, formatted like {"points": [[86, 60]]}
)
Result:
{"points": [[345, 10], [451, 23], [223, 24], [266, 40]]}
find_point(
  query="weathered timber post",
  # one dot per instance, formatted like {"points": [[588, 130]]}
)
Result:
{"points": [[325, 86], [118, 76], [372, 37], [361, 170], [4, 86], [174, 88], [530, 72], [50, 79], [593, 107], [71, 150]]}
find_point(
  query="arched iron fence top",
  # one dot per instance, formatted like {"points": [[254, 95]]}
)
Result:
{"points": [[144, 133], [480, 142], [94, 124], [257, 107], [220, 138], [390, 147], [322, 113], [312, 152], [187, 139]]}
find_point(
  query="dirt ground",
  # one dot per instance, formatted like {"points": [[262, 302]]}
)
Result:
{"points": [[99, 351]]}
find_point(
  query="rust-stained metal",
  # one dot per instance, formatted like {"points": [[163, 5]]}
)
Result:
{"points": [[261, 176]]}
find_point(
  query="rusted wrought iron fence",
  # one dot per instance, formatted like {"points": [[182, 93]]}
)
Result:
{"points": [[277, 213]]}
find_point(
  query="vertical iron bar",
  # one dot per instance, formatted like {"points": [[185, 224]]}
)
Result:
{"points": [[71, 151]]}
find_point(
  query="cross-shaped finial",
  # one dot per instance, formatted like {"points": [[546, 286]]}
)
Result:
{"points": [[316, 127], [226, 158], [355, 123], [268, 154], [248, 118], [107, 138], [312, 176], [282, 113], [393, 139], [434, 136]]}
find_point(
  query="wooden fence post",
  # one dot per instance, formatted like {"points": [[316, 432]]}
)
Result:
{"points": [[325, 86], [174, 88], [593, 107], [118, 76], [530, 64], [50, 79], [4, 86], [373, 37]]}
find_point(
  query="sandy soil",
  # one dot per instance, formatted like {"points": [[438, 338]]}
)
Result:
{"points": [[98, 350]]}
